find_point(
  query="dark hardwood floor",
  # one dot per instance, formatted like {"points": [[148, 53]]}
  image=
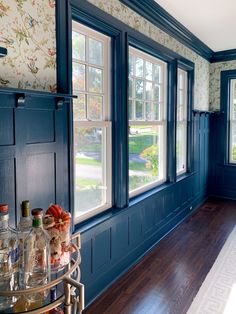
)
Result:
{"points": [[167, 279]]}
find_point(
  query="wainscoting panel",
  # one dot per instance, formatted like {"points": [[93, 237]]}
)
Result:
{"points": [[8, 188], [6, 126], [31, 151], [223, 174], [40, 126], [111, 247]]}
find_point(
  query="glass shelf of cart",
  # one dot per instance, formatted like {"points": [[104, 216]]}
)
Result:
{"points": [[42, 302]]}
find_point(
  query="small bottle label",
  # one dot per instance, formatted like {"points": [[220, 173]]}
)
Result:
{"points": [[14, 255]]}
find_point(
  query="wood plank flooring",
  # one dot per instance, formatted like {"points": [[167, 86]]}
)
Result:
{"points": [[167, 279]]}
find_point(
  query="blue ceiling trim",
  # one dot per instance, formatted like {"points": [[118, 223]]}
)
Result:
{"points": [[153, 12], [3, 52], [225, 55]]}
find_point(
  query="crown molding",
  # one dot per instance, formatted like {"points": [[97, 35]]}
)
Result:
{"points": [[153, 12], [224, 55]]}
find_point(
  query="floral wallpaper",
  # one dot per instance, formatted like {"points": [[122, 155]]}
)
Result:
{"points": [[131, 18], [28, 32], [215, 69]]}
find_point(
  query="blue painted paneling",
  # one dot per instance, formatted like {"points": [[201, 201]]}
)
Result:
{"points": [[6, 126], [223, 174], [120, 238], [7, 183], [101, 251], [135, 227], [40, 172], [40, 126], [86, 252], [130, 232], [32, 171]]}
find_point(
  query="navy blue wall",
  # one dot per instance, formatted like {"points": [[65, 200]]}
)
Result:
{"points": [[34, 164], [113, 244], [223, 174]]}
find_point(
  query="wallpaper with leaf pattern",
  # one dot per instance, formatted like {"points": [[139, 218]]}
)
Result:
{"points": [[131, 18], [27, 30], [215, 69]]}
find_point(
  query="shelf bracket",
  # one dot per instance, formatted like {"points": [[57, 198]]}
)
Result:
{"points": [[20, 100]]}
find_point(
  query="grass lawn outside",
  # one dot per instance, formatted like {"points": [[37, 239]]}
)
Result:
{"points": [[139, 142], [88, 161]]}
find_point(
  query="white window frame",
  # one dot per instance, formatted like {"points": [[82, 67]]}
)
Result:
{"points": [[232, 119], [162, 122], [183, 119], [105, 122]]}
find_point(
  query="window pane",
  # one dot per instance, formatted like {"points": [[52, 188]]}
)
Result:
{"points": [[130, 109], [148, 70], [144, 161], [233, 140], [181, 81], [139, 67], [95, 52], [78, 77], [156, 92], [91, 121], [181, 146], [79, 108], [157, 73], [95, 107], [78, 46], [139, 89], [147, 141], [181, 97], [95, 80], [148, 91], [89, 161], [131, 64], [156, 111], [148, 111], [131, 82], [139, 110]]}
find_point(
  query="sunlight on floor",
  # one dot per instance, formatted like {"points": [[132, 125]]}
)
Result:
{"points": [[230, 307]]}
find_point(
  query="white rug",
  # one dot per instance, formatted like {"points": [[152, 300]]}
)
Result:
{"points": [[217, 294]]}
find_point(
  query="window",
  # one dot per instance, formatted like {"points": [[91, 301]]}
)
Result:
{"points": [[232, 118], [147, 121], [181, 122], [91, 121]]}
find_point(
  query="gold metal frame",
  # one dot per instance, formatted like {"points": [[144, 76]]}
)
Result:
{"points": [[69, 284]]}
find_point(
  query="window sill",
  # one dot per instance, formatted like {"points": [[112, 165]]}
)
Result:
{"points": [[184, 176], [112, 212], [158, 189], [229, 164]]}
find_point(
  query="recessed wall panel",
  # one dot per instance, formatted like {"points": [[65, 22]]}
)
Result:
{"points": [[119, 238], [6, 126], [40, 126], [101, 250], [7, 186], [41, 179]]}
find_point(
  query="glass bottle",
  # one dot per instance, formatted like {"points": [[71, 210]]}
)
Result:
{"points": [[53, 297], [36, 256], [25, 223], [9, 259], [23, 229]]}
